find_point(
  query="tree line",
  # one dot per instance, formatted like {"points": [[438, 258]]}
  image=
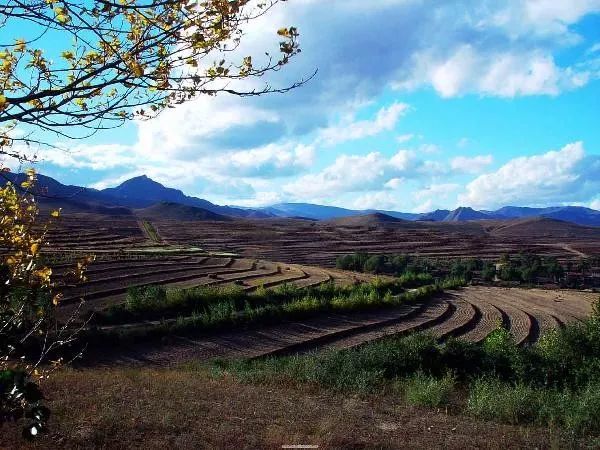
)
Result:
{"points": [[523, 267]]}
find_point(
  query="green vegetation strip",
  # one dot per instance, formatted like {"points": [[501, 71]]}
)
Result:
{"points": [[555, 383], [151, 231], [211, 308]]}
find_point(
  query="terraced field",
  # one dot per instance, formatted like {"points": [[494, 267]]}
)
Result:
{"points": [[109, 280], [469, 314], [319, 243], [182, 255]]}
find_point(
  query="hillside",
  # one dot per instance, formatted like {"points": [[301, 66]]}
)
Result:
{"points": [[365, 220], [437, 216], [141, 192], [542, 226], [464, 213], [176, 211]]}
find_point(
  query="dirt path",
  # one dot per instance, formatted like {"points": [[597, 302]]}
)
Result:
{"points": [[568, 248]]}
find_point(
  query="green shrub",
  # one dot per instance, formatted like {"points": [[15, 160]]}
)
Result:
{"points": [[493, 400], [427, 390], [582, 416], [145, 298], [503, 358]]}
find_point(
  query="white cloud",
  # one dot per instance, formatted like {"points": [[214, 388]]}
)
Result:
{"points": [[595, 204], [403, 138], [198, 128], [594, 48], [95, 157], [471, 164], [556, 176], [434, 196], [385, 120], [436, 190], [270, 161], [497, 73], [379, 200], [362, 173]]}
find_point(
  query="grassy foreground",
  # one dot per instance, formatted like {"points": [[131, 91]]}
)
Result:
{"points": [[188, 407]]}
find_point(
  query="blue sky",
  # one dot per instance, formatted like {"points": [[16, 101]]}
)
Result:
{"points": [[417, 105]]}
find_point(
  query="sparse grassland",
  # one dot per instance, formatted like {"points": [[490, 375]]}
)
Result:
{"points": [[189, 408], [555, 383]]}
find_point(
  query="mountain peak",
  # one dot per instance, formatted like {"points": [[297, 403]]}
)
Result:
{"points": [[465, 213], [141, 180]]}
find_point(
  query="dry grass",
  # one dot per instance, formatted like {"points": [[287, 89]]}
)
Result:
{"points": [[185, 408]]}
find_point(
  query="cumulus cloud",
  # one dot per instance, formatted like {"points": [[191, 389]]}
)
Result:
{"points": [[95, 157], [378, 200], [434, 196], [270, 161], [489, 47], [362, 173], [501, 73], [553, 177], [471, 164], [485, 48], [403, 138], [385, 120]]}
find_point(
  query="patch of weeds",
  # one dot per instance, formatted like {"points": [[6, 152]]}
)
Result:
{"points": [[427, 390]]}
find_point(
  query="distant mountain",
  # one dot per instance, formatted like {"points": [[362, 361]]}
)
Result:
{"points": [[576, 214], [322, 212], [464, 213], [141, 192], [138, 192], [437, 216], [308, 210], [177, 211], [396, 214]]}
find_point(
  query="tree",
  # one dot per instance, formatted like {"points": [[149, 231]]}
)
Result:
{"points": [[374, 264], [488, 273], [110, 61], [29, 331], [122, 59]]}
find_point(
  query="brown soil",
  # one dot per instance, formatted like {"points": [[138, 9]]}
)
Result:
{"points": [[456, 314], [185, 409]]}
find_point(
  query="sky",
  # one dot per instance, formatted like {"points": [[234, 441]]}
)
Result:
{"points": [[416, 105]]}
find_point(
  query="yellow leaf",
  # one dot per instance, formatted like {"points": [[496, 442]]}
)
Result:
{"points": [[20, 45], [35, 247], [3, 102], [55, 213], [138, 70], [56, 299]]}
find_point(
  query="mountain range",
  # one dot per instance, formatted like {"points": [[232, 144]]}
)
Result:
{"points": [[147, 198]]}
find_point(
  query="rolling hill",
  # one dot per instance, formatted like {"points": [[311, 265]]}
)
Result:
{"points": [[177, 211], [543, 226], [464, 213], [365, 220], [141, 192]]}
